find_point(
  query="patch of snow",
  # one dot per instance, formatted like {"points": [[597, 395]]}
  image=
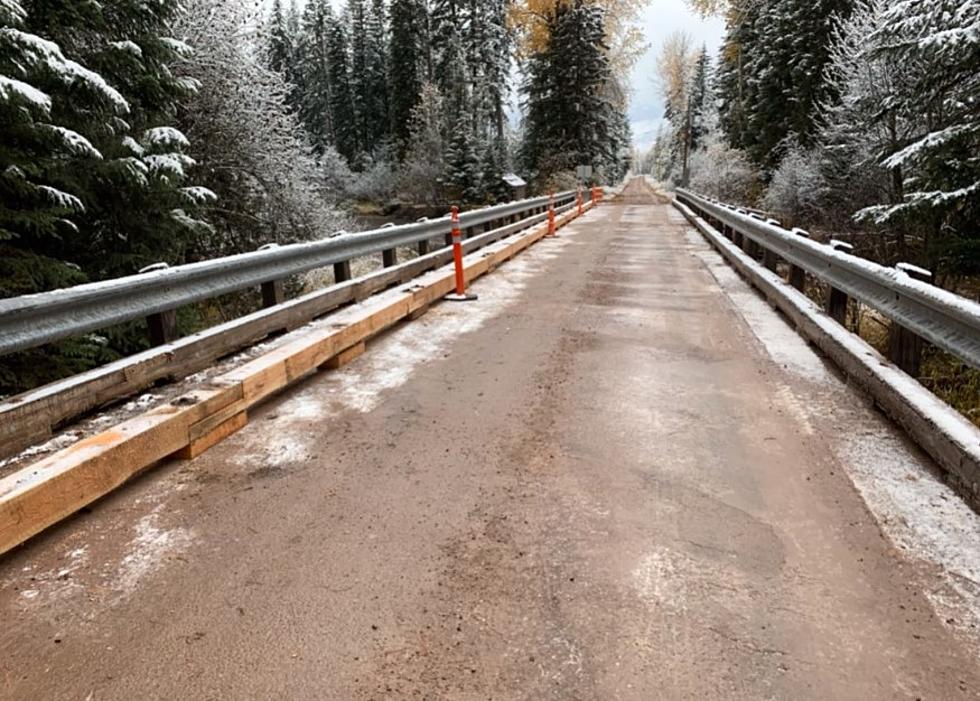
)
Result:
{"points": [[10, 87], [148, 551], [915, 509]]}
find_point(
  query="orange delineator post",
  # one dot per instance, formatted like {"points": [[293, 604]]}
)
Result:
{"points": [[551, 214], [458, 252], [578, 200]]}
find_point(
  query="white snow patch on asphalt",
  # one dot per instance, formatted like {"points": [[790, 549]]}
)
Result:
{"points": [[915, 509], [148, 551]]}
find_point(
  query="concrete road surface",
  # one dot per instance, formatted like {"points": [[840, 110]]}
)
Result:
{"points": [[618, 475]]}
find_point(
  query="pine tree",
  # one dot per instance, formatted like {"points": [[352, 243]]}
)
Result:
{"points": [[773, 74], [408, 65], [313, 64], [137, 208], [369, 70], [463, 162], [342, 105], [570, 111]]}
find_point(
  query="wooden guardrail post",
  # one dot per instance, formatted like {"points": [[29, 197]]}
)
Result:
{"points": [[389, 258], [272, 293], [423, 247], [904, 346], [162, 327], [769, 259], [837, 299], [341, 271], [797, 275]]}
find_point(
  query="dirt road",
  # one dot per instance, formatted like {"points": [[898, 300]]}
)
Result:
{"points": [[614, 476]]}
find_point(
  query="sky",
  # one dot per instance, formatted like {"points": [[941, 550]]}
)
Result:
{"points": [[658, 20]]}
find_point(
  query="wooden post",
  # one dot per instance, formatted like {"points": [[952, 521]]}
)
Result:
{"points": [[389, 257], [272, 293], [904, 346], [162, 327], [341, 271], [797, 275], [837, 299], [769, 259], [423, 247]]}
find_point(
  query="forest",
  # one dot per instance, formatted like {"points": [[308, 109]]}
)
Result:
{"points": [[138, 133], [858, 116]]}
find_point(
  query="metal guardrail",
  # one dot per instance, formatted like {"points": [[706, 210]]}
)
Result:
{"points": [[33, 320], [947, 320]]}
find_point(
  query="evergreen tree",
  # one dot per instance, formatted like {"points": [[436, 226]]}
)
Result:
{"points": [[313, 65], [368, 75], [137, 209], [342, 106], [570, 114], [773, 74], [464, 162], [409, 64]]}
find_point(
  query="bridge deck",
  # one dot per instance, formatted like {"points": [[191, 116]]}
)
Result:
{"points": [[617, 475]]}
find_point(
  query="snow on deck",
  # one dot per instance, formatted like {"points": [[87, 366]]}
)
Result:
{"points": [[915, 509]]}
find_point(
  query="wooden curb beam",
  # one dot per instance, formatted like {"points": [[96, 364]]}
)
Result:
{"points": [[44, 493]]}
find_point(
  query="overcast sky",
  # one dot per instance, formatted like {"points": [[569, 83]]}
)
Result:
{"points": [[660, 18]]}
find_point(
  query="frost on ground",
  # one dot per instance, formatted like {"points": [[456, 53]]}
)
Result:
{"points": [[390, 360], [915, 509]]}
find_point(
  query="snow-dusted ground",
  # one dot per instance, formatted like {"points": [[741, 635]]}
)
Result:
{"points": [[915, 509]]}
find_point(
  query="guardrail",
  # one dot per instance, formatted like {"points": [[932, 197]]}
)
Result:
{"points": [[917, 309], [33, 320]]}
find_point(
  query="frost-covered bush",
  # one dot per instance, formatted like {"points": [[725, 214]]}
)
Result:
{"points": [[723, 172], [797, 186], [378, 180], [251, 149]]}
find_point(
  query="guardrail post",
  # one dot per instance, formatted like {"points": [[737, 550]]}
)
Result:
{"points": [[389, 257], [797, 275], [837, 299], [551, 214], [341, 271], [162, 327], [272, 293], [769, 259], [904, 346], [460, 295], [423, 246]]}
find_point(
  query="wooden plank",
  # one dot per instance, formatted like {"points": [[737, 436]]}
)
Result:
{"points": [[44, 493], [345, 356], [41, 494], [212, 437]]}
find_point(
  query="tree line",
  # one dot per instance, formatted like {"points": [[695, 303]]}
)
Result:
{"points": [[861, 116]]}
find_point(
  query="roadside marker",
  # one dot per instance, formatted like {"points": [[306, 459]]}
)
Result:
{"points": [[551, 214], [460, 295]]}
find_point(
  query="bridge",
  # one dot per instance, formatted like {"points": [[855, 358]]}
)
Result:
{"points": [[619, 473]]}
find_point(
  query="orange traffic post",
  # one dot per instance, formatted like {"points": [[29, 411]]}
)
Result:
{"points": [[460, 295], [551, 214], [578, 200]]}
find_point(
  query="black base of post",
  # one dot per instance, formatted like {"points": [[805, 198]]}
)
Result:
{"points": [[162, 327], [341, 271], [272, 293], [465, 297]]}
